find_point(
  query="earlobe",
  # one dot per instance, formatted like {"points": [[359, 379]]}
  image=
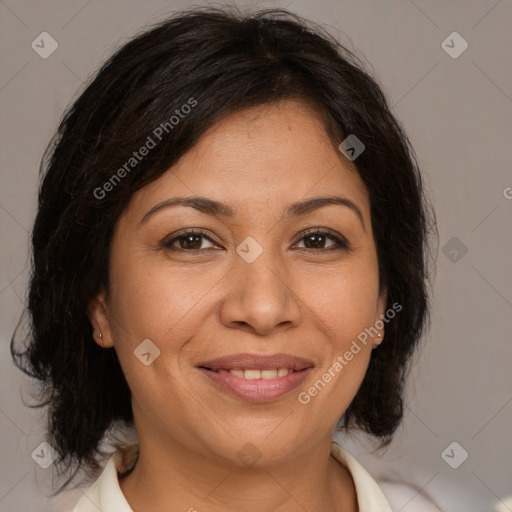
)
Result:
{"points": [[99, 318]]}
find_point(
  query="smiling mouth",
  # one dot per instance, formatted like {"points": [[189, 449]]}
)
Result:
{"points": [[252, 373], [256, 377]]}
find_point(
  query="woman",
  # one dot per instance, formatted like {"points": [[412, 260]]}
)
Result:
{"points": [[229, 255]]}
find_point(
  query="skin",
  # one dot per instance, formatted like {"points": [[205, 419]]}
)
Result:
{"points": [[297, 297]]}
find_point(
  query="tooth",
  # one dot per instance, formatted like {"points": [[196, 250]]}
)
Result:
{"points": [[222, 371], [268, 374], [237, 373], [282, 372], [252, 374]]}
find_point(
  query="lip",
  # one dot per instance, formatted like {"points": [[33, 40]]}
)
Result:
{"points": [[257, 362], [257, 390]]}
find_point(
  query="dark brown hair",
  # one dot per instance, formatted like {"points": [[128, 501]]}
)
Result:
{"points": [[225, 61]]}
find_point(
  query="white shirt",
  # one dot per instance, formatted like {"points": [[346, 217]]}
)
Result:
{"points": [[106, 495]]}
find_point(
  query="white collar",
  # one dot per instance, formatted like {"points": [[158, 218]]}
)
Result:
{"points": [[105, 493]]}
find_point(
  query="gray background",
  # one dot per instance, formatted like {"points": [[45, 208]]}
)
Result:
{"points": [[457, 113]]}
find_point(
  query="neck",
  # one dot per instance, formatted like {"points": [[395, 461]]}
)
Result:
{"points": [[177, 478]]}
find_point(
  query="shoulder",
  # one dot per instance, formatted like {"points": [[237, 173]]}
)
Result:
{"points": [[386, 493], [105, 493], [370, 497], [401, 494]]}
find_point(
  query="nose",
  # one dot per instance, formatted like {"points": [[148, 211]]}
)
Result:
{"points": [[260, 296]]}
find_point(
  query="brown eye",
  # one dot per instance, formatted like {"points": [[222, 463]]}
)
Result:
{"points": [[317, 240], [188, 241]]}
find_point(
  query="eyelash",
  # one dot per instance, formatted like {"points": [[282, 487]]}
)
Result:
{"points": [[342, 243]]}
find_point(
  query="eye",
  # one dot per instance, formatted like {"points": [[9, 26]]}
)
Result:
{"points": [[186, 241], [191, 241], [316, 239]]}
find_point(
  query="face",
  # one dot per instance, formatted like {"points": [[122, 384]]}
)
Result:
{"points": [[278, 287]]}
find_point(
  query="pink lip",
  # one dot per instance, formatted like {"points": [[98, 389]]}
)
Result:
{"points": [[257, 390], [257, 362]]}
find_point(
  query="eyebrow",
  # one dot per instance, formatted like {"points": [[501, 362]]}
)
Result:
{"points": [[215, 208]]}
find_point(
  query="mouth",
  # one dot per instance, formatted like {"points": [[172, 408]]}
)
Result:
{"points": [[257, 378]]}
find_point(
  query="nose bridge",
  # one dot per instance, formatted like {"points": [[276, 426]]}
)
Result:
{"points": [[260, 295]]}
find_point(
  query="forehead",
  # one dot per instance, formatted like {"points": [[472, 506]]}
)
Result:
{"points": [[270, 155]]}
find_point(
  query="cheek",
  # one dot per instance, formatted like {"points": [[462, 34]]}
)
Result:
{"points": [[150, 326], [343, 305], [345, 301], [154, 302], [165, 306]]}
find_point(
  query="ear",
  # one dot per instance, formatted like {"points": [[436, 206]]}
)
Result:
{"points": [[99, 317], [381, 303], [381, 310]]}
